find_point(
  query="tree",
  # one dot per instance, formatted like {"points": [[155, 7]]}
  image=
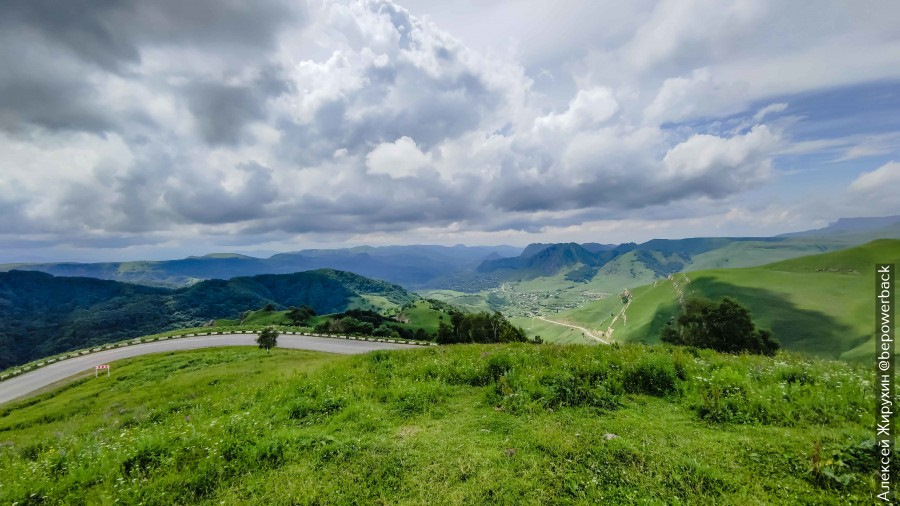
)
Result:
{"points": [[299, 316], [268, 338], [480, 327], [726, 326], [445, 333]]}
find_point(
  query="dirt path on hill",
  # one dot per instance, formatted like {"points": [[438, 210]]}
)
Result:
{"points": [[582, 329]]}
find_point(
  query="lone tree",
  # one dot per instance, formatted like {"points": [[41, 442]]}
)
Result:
{"points": [[726, 326], [267, 338]]}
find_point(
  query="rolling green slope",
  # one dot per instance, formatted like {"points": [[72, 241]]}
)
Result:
{"points": [[820, 304], [753, 254], [464, 424]]}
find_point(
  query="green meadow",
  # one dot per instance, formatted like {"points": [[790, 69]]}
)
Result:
{"points": [[464, 424]]}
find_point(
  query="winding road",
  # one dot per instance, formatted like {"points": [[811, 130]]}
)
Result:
{"points": [[27, 383]]}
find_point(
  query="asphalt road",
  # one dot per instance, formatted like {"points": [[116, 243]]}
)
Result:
{"points": [[19, 386]]}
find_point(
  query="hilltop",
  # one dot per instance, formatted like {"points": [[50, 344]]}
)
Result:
{"points": [[465, 424], [818, 304]]}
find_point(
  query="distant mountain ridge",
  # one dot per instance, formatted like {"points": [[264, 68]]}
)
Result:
{"points": [[662, 256], [410, 266], [472, 269], [845, 226], [41, 314]]}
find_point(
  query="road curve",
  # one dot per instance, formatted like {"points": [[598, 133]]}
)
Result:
{"points": [[19, 386]]}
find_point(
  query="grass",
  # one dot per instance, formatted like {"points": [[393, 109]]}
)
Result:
{"points": [[820, 304], [423, 315], [513, 424], [468, 301]]}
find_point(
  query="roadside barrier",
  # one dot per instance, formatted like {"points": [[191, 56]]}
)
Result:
{"points": [[143, 340]]}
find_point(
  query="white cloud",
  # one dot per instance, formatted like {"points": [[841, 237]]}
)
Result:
{"points": [[769, 109], [726, 164], [883, 181], [589, 109], [397, 159], [699, 95]]}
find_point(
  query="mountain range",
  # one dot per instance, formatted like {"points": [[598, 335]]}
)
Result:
{"points": [[411, 266], [474, 268]]}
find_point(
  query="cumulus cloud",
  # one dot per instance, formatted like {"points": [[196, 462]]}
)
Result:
{"points": [[347, 117], [397, 159], [718, 166], [588, 109]]}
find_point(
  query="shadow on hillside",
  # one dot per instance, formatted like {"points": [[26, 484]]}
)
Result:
{"points": [[650, 333], [796, 329]]}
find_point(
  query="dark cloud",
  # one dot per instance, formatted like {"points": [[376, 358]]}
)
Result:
{"points": [[40, 87], [221, 111], [56, 54], [55, 105], [111, 33], [206, 200]]}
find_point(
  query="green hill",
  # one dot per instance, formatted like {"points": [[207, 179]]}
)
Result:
{"points": [[465, 424], [820, 304], [41, 314], [419, 314]]}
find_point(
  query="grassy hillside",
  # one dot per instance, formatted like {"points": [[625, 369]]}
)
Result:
{"points": [[753, 253], [420, 314], [550, 332], [821, 304], [469, 424], [41, 315]]}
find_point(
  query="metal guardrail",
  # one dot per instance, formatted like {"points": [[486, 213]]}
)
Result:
{"points": [[131, 342]]}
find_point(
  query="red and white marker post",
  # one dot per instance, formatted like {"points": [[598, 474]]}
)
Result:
{"points": [[100, 368]]}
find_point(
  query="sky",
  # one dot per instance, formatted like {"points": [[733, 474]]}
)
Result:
{"points": [[150, 130]]}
